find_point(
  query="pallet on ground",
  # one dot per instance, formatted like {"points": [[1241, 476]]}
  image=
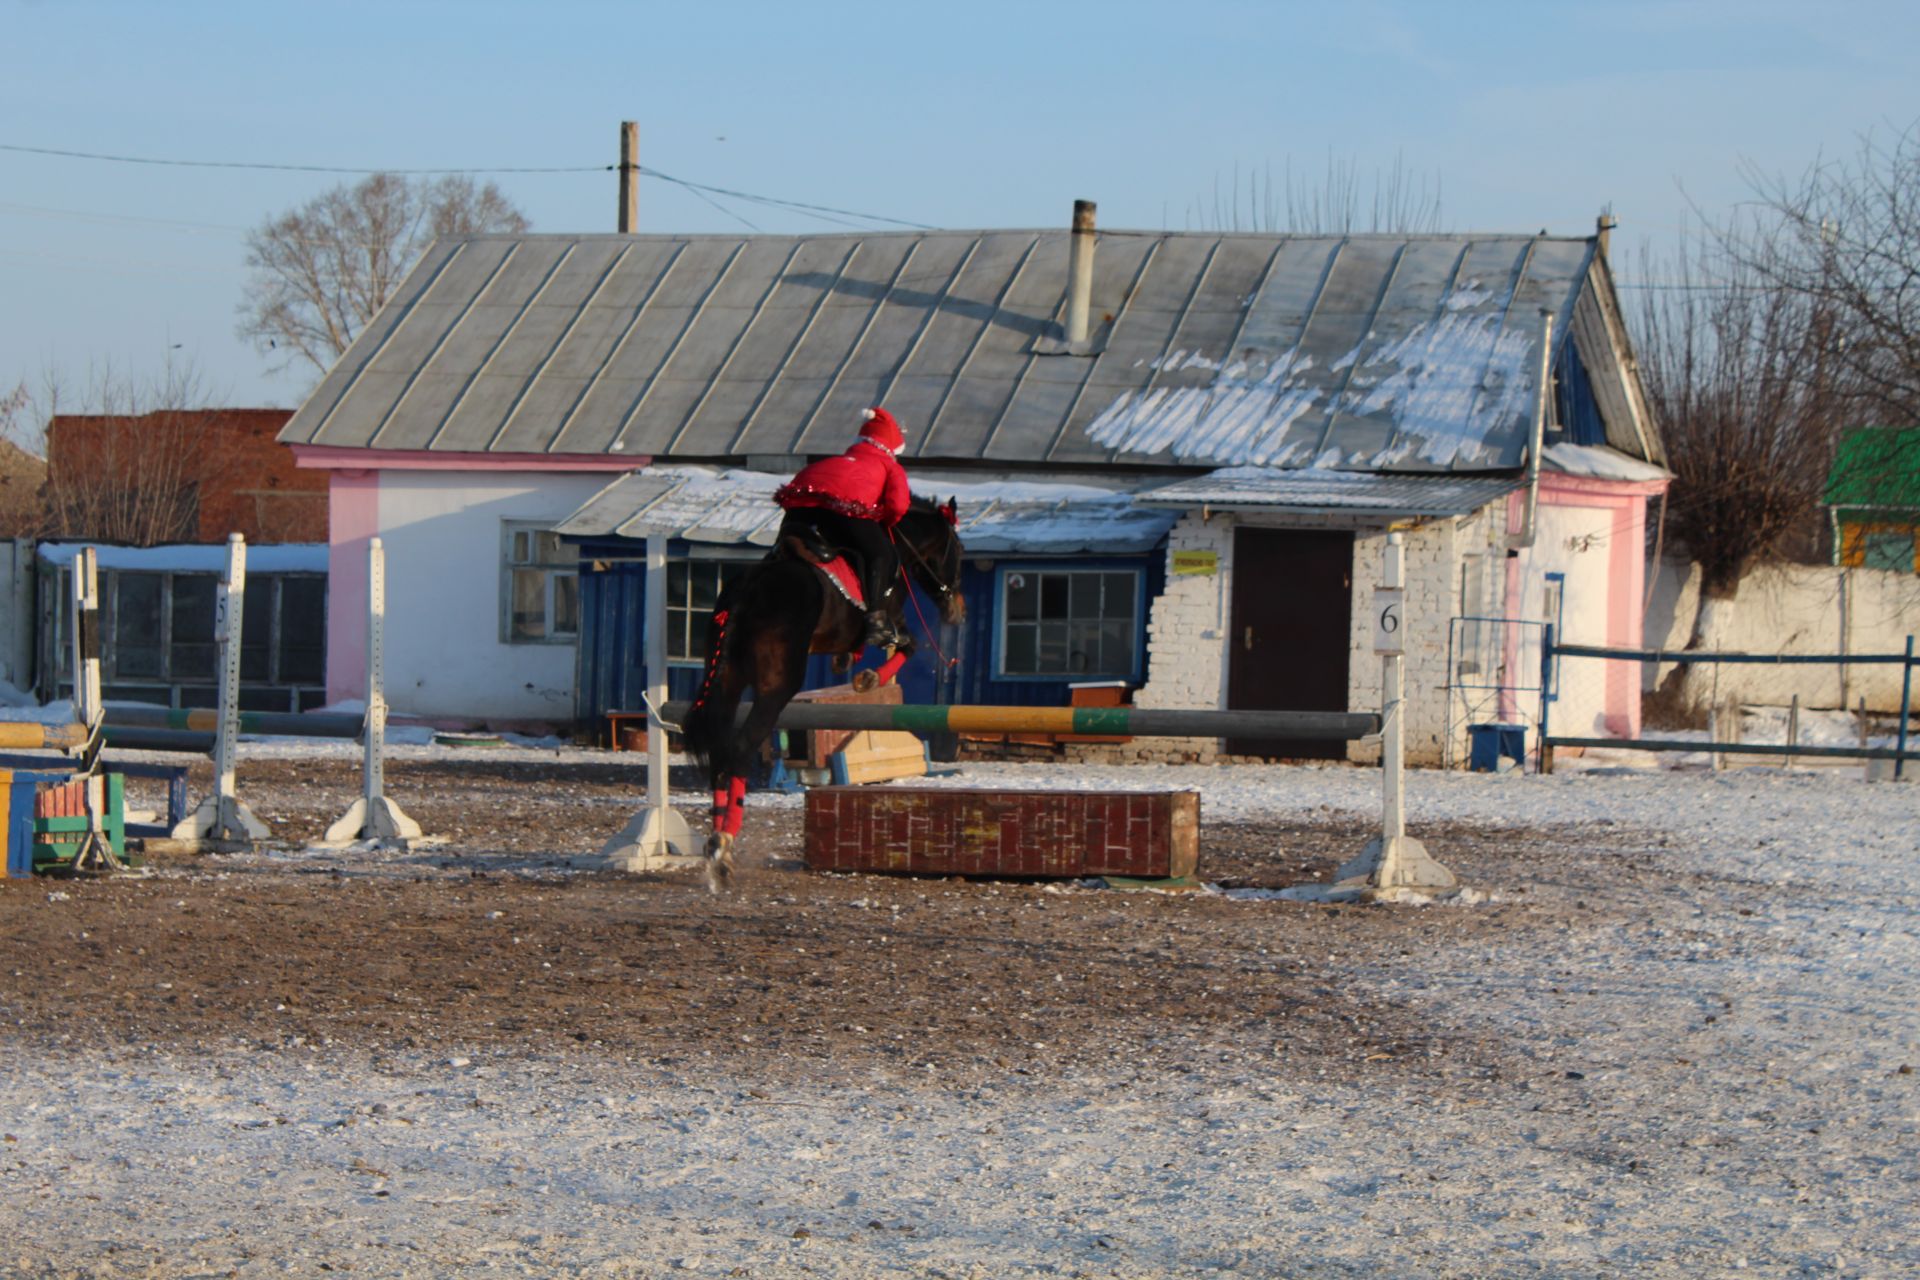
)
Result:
{"points": [[821, 744], [981, 832], [878, 755]]}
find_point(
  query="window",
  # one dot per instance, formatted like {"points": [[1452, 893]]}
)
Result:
{"points": [[1067, 622], [1888, 550], [692, 588], [159, 645], [540, 587]]}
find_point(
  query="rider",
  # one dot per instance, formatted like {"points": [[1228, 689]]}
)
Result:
{"points": [[852, 502]]}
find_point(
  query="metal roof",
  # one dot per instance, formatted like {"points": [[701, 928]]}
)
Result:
{"points": [[1360, 493], [735, 508], [1363, 352]]}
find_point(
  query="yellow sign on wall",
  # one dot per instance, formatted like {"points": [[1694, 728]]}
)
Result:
{"points": [[1203, 563]]}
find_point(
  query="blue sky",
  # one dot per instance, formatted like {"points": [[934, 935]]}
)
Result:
{"points": [[1529, 115]]}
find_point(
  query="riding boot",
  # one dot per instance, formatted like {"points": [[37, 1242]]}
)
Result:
{"points": [[880, 629]]}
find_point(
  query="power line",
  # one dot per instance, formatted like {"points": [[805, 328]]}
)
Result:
{"points": [[826, 213], [293, 168]]}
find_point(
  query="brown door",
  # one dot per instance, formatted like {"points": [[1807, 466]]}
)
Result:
{"points": [[1292, 624]]}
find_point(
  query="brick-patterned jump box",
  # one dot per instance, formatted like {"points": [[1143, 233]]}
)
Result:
{"points": [[950, 831]]}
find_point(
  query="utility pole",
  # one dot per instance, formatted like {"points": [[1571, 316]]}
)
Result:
{"points": [[629, 177]]}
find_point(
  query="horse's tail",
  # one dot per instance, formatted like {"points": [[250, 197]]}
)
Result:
{"points": [[710, 721]]}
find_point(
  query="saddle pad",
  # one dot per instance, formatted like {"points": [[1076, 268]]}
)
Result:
{"points": [[841, 577]]}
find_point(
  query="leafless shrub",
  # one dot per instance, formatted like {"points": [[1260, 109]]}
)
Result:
{"points": [[1749, 392], [124, 462], [1401, 202]]}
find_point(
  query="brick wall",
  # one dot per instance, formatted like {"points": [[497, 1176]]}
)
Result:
{"points": [[1186, 647], [239, 478]]}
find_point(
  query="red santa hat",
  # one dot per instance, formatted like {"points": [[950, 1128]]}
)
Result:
{"points": [[880, 428]]}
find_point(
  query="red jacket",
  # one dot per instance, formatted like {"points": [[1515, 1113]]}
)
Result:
{"points": [[865, 482]]}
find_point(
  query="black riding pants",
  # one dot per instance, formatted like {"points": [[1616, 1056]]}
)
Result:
{"points": [[866, 541]]}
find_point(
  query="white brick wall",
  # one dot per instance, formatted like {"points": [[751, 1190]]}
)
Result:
{"points": [[1186, 632], [1186, 647], [1432, 563]]}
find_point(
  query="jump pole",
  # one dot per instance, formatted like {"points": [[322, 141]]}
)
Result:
{"points": [[658, 836], [374, 816], [1394, 865], [96, 850], [222, 817]]}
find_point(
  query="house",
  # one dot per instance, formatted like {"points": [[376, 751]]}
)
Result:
{"points": [[1280, 401], [1873, 499], [157, 624], [173, 484]]}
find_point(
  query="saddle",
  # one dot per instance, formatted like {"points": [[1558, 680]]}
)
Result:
{"points": [[840, 572]]}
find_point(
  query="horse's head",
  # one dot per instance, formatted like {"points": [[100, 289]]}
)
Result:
{"points": [[930, 550]]}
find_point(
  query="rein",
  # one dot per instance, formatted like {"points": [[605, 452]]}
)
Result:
{"points": [[907, 584]]}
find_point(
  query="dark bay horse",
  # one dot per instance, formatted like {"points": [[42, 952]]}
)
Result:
{"points": [[765, 625]]}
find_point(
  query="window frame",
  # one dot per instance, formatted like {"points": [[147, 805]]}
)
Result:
{"points": [[1003, 570], [1878, 540], [554, 570], [692, 556], [168, 685]]}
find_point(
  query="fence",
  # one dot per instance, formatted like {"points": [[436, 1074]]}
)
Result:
{"points": [[1493, 676], [1553, 695]]}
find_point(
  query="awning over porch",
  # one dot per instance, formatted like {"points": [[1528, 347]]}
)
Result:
{"points": [[735, 508]]}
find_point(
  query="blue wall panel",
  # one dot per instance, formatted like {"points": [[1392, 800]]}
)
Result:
{"points": [[612, 676]]}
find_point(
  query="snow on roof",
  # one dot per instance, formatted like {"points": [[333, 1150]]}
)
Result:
{"points": [[1313, 489], [735, 507], [277, 557], [1598, 462]]}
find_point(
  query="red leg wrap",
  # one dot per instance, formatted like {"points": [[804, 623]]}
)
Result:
{"points": [[720, 812], [891, 668]]}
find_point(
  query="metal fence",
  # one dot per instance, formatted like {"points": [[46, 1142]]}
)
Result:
{"points": [[1554, 692], [1493, 677]]}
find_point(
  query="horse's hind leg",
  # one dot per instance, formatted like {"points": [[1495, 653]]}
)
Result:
{"points": [[729, 811]]}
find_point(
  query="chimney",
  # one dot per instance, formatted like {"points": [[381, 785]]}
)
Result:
{"points": [[1080, 273], [1603, 229]]}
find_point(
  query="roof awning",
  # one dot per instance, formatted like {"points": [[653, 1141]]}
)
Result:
{"points": [[1354, 493], [735, 508]]}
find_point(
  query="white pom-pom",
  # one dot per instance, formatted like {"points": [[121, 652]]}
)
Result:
{"points": [[866, 415]]}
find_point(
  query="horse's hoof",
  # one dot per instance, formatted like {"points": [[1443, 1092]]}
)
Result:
{"points": [[719, 864], [841, 661], [866, 682]]}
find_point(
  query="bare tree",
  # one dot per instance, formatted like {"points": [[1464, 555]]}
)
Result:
{"points": [[127, 459], [22, 471], [1746, 381], [317, 274], [1844, 237]]}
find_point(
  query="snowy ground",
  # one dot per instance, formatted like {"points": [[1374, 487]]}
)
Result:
{"points": [[1711, 1073]]}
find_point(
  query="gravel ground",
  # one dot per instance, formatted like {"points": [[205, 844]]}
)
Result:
{"points": [[1678, 1039]]}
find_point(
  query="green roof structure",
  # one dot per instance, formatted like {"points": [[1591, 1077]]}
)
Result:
{"points": [[1876, 468]]}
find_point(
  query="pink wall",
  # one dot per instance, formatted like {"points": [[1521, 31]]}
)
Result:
{"points": [[1625, 501], [353, 512]]}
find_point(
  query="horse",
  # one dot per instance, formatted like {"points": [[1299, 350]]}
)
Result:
{"points": [[764, 626]]}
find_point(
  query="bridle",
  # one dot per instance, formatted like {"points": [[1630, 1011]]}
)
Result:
{"points": [[940, 586]]}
